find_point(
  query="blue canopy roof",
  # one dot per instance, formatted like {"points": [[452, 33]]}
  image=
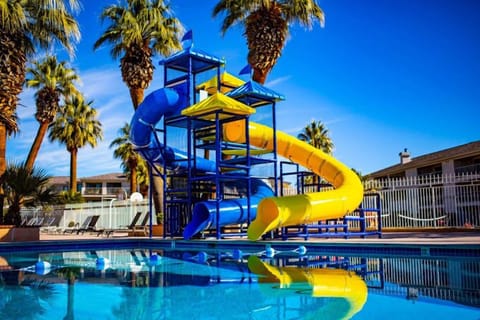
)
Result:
{"points": [[201, 61], [253, 93]]}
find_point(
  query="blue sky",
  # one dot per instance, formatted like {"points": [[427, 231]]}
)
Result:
{"points": [[382, 76]]}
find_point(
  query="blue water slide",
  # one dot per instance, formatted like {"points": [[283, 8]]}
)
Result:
{"points": [[168, 102], [231, 211], [162, 102]]}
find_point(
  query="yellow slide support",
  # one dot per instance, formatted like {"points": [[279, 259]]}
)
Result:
{"points": [[321, 282], [276, 212]]}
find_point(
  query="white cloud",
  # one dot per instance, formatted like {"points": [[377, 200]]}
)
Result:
{"points": [[98, 160], [102, 83], [277, 81]]}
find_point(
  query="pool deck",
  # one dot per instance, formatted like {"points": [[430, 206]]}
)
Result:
{"points": [[470, 237]]}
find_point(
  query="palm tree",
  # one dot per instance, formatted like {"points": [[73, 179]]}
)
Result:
{"points": [[8, 127], [53, 79], [143, 176], [316, 134], [126, 152], [136, 31], [76, 126], [266, 25], [25, 25], [25, 187], [68, 196]]}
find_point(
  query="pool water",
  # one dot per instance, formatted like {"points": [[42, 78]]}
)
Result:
{"points": [[232, 284]]}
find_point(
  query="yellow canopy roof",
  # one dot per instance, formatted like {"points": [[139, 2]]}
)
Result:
{"points": [[228, 82], [216, 102]]}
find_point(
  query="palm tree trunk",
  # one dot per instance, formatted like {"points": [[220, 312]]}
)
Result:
{"points": [[37, 143], [158, 185], [3, 165], [73, 170], [133, 179], [260, 75], [3, 148], [137, 96]]}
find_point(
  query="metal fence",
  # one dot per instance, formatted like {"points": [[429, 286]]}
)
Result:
{"points": [[415, 202], [113, 213], [429, 201], [434, 201]]}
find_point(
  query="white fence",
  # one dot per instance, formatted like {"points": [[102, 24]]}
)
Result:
{"points": [[423, 202], [113, 214], [416, 202], [433, 201]]}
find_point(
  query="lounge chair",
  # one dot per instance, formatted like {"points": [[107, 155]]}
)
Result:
{"points": [[142, 227], [132, 227], [76, 227], [24, 222], [91, 227], [50, 223], [33, 222], [55, 226]]}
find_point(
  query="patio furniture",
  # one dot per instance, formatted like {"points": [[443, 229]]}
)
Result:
{"points": [[91, 227], [76, 227], [132, 227]]}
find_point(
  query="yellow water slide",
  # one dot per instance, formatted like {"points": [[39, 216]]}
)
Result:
{"points": [[276, 212], [320, 282]]}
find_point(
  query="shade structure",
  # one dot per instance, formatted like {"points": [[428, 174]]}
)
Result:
{"points": [[254, 94], [227, 83], [217, 102]]}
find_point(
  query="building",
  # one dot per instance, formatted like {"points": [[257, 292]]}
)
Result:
{"points": [[105, 186], [432, 190], [97, 188], [452, 161], [60, 183]]}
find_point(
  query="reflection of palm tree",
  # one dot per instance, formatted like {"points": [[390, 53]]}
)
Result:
{"points": [[15, 296], [135, 304], [69, 273], [75, 127]]}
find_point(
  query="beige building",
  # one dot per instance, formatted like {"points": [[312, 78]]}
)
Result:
{"points": [[438, 189], [456, 160], [97, 188]]}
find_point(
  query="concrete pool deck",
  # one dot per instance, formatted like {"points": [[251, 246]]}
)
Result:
{"points": [[470, 237]]}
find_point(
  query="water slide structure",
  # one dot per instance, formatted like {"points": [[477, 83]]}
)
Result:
{"points": [[166, 102], [261, 208], [276, 212]]}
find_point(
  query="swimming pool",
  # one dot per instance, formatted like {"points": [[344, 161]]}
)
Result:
{"points": [[158, 281]]}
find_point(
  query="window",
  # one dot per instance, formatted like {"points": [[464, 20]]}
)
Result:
{"points": [[93, 188], [114, 187], [432, 170], [467, 165]]}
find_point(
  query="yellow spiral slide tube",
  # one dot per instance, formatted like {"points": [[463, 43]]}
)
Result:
{"points": [[276, 212]]}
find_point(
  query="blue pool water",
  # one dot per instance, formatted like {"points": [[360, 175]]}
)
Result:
{"points": [[138, 283]]}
